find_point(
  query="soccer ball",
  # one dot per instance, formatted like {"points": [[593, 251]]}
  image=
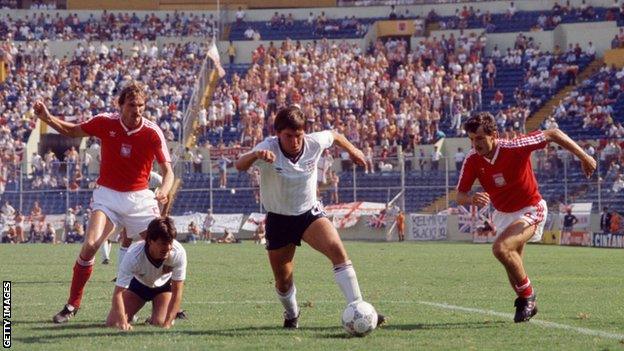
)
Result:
{"points": [[359, 318]]}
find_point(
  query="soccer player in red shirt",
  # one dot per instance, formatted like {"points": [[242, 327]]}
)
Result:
{"points": [[130, 143], [503, 167]]}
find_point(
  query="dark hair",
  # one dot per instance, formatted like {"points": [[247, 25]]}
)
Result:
{"points": [[161, 228], [482, 119], [132, 89], [289, 117]]}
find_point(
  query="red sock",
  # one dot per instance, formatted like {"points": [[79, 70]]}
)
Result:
{"points": [[82, 273], [525, 288]]}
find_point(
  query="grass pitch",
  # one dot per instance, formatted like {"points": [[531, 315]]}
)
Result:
{"points": [[437, 296]]}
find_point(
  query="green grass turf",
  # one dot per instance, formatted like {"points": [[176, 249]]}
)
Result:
{"points": [[232, 305]]}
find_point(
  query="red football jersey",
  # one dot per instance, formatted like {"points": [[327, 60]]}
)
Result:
{"points": [[127, 155], [508, 177]]}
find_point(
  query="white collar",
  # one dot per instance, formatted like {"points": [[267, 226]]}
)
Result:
{"points": [[493, 160], [128, 131]]}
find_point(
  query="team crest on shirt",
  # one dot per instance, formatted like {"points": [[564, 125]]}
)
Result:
{"points": [[112, 133], [167, 269], [126, 150], [499, 180]]}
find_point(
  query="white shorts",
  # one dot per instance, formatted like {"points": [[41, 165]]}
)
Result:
{"points": [[133, 210], [533, 215]]}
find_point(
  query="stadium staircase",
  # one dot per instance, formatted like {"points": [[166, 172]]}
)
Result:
{"points": [[536, 120]]}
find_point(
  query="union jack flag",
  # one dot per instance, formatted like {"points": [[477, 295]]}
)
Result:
{"points": [[378, 220], [469, 219]]}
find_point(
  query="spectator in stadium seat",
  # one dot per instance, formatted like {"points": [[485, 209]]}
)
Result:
{"points": [[240, 16], [511, 11], [7, 210], [193, 232], [9, 236], [49, 234]]}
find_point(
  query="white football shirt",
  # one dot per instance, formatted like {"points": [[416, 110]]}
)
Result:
{"points": [[289, 188], [136, 264]]}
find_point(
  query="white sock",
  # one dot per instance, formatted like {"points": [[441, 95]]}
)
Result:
{"points": [[120, 256], [347, 281], [289, 301], [105, 250]]}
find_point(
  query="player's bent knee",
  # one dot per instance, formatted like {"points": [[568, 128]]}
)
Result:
{"points": [[500, 250], [89, 248]]}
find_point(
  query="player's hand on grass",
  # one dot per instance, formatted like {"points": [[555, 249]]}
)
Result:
{"points": [[357, 156], [41, 111], [589, 166], [121, 324], [265, 155], [480, 199]]}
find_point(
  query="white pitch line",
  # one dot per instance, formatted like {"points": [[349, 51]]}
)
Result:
{"points": [[508, 316], [542, 323]]}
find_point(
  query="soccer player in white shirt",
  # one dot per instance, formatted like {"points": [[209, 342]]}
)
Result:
{"points": [[152, 270], [288, 183]]}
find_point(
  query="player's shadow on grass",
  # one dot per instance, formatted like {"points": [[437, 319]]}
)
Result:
{"points": [[456, 325], [17, 282], [323, 332], [50, 326], [104, 332]]}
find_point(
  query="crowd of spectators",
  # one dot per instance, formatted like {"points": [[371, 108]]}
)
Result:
{"points": [[35, 226], [593, 103], [84, 85], [386, 96], [469, 17], [107, 26]]}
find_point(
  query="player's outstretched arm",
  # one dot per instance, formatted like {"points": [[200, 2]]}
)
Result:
{"points": [[587, 162], [117, 315], [247, 159], [356, 154], [64, 128], [177, 287]]}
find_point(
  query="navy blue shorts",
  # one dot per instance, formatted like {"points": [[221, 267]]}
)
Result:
{"points": [[282, 230], [145, 292]]}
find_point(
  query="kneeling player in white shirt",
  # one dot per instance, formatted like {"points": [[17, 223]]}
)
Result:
{"points": [[152, 270], [288, 164]]}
